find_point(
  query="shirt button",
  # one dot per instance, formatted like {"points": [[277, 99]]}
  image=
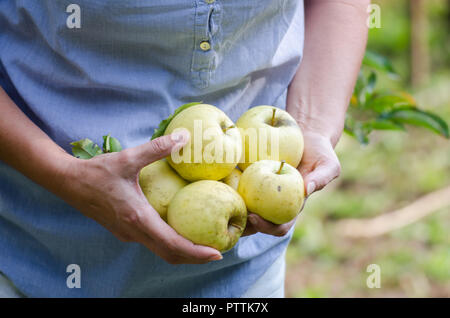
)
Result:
{"points": [[205, 46], [210, 1]]}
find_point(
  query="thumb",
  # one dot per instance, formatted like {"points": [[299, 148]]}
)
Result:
{"points": [[322, 174], [159, 148]]}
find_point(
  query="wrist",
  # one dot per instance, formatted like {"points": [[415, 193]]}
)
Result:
{"points": [[327, 129], [315, 108], [58, 171], [322, 130]]}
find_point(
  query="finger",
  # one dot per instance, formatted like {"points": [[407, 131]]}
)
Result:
{"points": [[267, 227], [131, 234], [139, 232], [158, 148], [249, 230], [303, 204], [163, 252], [322, 174], [168, 240], [305, 168]]}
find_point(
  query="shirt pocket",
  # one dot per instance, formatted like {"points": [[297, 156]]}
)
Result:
{"points": [[152, 36]]}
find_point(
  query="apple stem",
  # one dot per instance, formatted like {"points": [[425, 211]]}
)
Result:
{"points": [[273, 116], [281, 166], [237, 226], [225, 129]]}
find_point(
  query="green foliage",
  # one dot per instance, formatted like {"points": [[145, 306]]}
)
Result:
{"points": [[385, 110], [438, 264], [163, 124], [87, 149], [111, 144], [383, 176], [379, 62], [414, 116]]}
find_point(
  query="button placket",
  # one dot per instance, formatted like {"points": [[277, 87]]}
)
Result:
{"points": [[205, 29], [205, 46]]}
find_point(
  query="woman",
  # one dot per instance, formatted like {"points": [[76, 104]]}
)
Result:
{"points": [[119, 67]]}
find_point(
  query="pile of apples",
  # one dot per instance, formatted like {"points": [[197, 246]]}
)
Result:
{"points": [[207, 200]]}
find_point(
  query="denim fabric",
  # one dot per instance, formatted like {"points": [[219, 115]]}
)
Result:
{"points": [[7, 288], [128, 66], [271, 283]]}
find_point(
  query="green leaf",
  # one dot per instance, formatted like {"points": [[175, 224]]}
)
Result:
{"points": [[85, 149], [379, 62], [163, 124], [349, 131], [111, 144], [371, 82], [357, 130], [384, 103], [359, 86], [382, 124], [106, 145], [416, 117], [367, 91], [115, 145], [349, 123], [361, 133]]}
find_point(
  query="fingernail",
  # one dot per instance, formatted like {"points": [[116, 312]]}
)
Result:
{"points": [[310, 188], [216, 258], [180, 136], [253, 220]]}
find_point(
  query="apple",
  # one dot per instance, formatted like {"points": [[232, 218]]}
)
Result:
{"points": [[274, 190], [208, 213], [266, 127], [233, 178], [159, 183], [215, 146]]}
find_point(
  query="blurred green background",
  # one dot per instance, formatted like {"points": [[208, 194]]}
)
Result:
{"points": [[395, 170]]}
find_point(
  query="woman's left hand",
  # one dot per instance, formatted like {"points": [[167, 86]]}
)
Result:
{"points": [[319, 166], [256, 224]]}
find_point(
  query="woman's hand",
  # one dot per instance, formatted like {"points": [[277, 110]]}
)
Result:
{"points": [[319, 166], [256, 224], [106, 189], [320, 91]]}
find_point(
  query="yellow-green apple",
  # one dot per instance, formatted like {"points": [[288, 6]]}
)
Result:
{"points": [[208, 213], [159, 183], [233, 178], [270, 133], [274, 190], [215, 146]]}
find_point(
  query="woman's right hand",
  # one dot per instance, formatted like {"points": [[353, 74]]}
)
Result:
{"points": [[106, 189]]}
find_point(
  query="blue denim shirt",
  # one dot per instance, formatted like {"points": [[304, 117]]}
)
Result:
{"points": [[128, 66]]}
